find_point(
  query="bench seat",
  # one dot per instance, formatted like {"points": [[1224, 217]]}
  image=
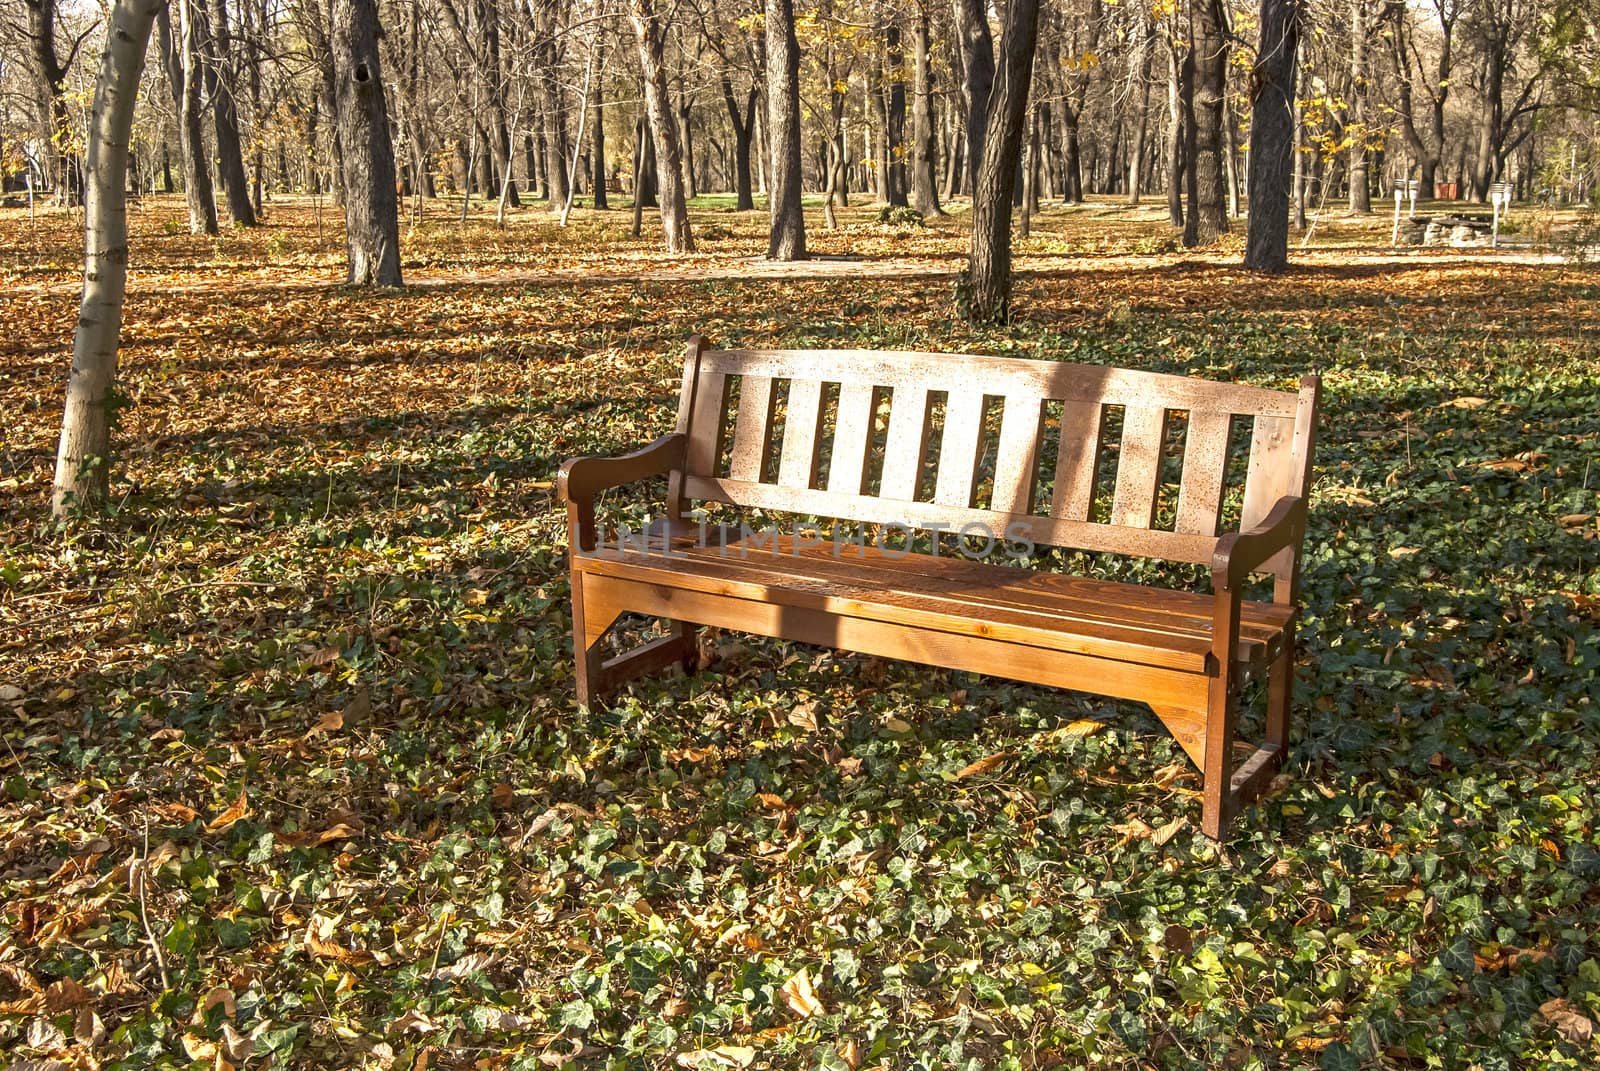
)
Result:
{"points": [[1050, 611]]}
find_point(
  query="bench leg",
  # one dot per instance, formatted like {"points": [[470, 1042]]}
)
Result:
{"points": [[598, 677], [1217, 797], [586, 651], [1280, 693]]}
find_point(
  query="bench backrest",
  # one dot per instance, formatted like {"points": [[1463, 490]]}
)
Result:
{"points": [[927, 438]]}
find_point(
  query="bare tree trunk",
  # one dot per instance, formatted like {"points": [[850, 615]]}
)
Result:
{"points": [[1272, 136], [925, 146], [598, 154], [1356, 124], [225, 119], [372, 226], [1208, 216], [977, 60], [669, 165], [787, 240], [196, 171], [894, 125], [82, 456], [1141, 127], [988, 281], [744, 126], [1177, 92]]}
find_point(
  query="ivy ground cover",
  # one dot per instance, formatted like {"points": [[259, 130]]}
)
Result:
{"points": [[293, 775]]}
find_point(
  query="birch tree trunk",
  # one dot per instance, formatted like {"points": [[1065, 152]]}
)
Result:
{"points": [[988, 281], [664, 131], [788, 236], [83, 452], [371, 215]]}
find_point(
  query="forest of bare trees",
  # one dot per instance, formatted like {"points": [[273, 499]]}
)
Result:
{"points": [[550, 101]]}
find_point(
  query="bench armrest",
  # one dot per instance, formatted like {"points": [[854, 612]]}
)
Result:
{"points": [[584, 477], [581, 478], [1239, 554]]}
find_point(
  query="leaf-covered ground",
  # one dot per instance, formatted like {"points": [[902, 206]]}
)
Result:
{"points": [[293, 773]]}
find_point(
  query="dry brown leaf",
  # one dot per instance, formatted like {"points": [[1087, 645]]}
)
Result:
{"points": [[1576, 520], [198, 1048], [897, 725], [801, 997], [1465, 402], [331, 722], [721, 1056], [503, 796], [984, 765], [850, 1053], [1081, 727], [413, 1021], [803, 715], [87, 1029], [32, 1004], [1569, 1022], [239, 810], [774, 802], [66, 994], [1170, 830], [330, 950], [176, 812], [220, 995], [324, 657]]}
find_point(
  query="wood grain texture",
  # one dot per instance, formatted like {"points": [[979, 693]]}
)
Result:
{"points": [[906, 444], [1205, 464], [1133, 505], [802, 433], [1077, 459], [958, 448], [752, 428], [852, 435], [1017, 455]]}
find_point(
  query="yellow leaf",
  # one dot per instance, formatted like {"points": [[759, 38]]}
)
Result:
{"points": [[801, 997], [235, 813], [1403, 552], [897, 725], [984, 765], [1081, 727], [1465, 402]]}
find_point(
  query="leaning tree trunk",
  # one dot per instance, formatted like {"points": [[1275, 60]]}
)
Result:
{"points": [[196, 169], [924, 147], [225, 118], [664, 131], [85, 446], [788, 236], [1272, 136], [372, 225], [988, 282]]}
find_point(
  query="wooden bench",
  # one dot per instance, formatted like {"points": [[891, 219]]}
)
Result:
{"points": [[923, 440]]}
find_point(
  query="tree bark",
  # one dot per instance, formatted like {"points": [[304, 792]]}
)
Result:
{"points": [[1356, 125], [743, 122], [977, 61], [988, 281], [925, 146], [51, 72], [83, 453], [1178, 69], [1272, 136], [598, 154], [372, 228], [787, 240], [197, 190], [895, 120], [658, 106], [225, 120], [1208, 217]]}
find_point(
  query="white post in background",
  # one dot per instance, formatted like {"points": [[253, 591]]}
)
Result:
{"points": [[1399, 195]]}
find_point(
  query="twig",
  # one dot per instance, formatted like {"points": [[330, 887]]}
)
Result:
{"points": [[144, 914], [444, 923]]}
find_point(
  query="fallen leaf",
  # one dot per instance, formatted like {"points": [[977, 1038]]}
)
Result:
{"points": [[66, 994], [800, 996], [774, 802], [721, 1056], [850, 1053], [984, 765], [1569, 1022], [331, 722], [412, 1022], [1170, 830], [803, 715], [1081, 727], [897, 725], [236, 813], [324, 949], [503, 796], [87, 1029], [1464, 402], [1403, 552], [176, 812], [220, 995]]}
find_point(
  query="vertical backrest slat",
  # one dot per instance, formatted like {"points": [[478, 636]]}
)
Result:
{"points": [[706, 425], [1139, 466], [1271, 471], [852, 433], [906, 443], [751, 429], [1081, 424], [802, 423], [1017, 456], [1205, 461], [958, 448]]}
